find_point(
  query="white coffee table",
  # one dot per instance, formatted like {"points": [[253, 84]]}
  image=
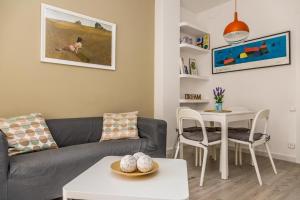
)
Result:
{"points": [[100, 183]]}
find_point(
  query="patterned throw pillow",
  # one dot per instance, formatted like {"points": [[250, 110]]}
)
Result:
{"points": [[119, 126], [26, 134]]}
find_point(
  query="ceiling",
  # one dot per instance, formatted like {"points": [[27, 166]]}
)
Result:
{"points": [[201, 5]]}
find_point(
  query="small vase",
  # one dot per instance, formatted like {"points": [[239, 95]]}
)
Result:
{"points": [[219, 107]]}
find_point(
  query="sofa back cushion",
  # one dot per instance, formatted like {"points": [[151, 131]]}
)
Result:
{"points": [[67, 132], [26, 134]]}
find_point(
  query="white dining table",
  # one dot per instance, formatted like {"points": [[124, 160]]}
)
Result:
{"points": [[224, 118]]}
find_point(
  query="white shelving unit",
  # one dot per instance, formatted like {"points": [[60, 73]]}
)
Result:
{"points": [[193, 48], [189, 76], [188, 101], [193, 31]]}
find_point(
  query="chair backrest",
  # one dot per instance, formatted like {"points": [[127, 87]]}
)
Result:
{"points": [[262, 115], [189, 114], [177, 112]]}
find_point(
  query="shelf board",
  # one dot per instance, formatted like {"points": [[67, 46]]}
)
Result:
{"points": [[189, 76], [191, 29], [193, 48], [193, 101]]}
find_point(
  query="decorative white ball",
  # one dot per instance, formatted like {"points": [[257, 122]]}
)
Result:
{"points": [[145, 163], [128, 164], [138, 155]]}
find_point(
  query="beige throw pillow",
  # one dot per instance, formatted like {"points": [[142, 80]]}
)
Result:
{"points": [[26, 134], [119, 126]]}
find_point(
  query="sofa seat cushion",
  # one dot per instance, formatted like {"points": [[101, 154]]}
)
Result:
{"points": [[57, 167]]}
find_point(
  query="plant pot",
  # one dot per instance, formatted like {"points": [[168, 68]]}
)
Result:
{"points": [[218, 107]]}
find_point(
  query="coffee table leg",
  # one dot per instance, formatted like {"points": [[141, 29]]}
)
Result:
{"points": [[65, 197]]}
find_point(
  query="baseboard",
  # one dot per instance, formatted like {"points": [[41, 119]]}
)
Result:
{"points": [[277, 156], [288, 158]]}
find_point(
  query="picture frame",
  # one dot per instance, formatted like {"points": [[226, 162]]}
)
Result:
{"points": [[263, 52], [193, 68], [70, 38]]}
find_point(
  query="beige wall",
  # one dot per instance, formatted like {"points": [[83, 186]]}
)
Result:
{"points": [[27, 85]]}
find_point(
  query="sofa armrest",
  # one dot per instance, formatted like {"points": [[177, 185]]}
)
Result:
{"points": [[156, 132], [4, 163]]}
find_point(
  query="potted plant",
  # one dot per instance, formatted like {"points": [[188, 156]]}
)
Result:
{"points": [[219, 95]]}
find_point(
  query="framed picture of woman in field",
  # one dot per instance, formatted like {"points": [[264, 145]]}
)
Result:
{"points": [[74, 39]]}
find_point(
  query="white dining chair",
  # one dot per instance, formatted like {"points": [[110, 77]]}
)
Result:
{"points": [[195, 128], [254, 139], [198, 152], [238, 158], [201, 139]]}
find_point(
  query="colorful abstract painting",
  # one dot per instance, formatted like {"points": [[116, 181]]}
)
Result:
{"points": [[269, 51]]}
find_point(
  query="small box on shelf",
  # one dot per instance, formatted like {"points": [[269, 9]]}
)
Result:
{"points": [[192, 96]]}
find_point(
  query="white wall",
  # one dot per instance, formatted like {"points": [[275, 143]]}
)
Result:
{"points": [[166, 93], [273, 88], [297, 41]]}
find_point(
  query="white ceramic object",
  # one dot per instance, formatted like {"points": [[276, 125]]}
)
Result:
{"points": [[128, 164], [145, 163], [138, 155]]}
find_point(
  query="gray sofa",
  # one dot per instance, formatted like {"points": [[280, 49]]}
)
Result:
{"points": [[41, 175]]}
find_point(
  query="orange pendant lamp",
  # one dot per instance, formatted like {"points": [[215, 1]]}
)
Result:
{"points": [[237, 31]]}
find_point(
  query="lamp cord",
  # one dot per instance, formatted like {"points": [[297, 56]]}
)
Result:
{"points": [[235, 5]]}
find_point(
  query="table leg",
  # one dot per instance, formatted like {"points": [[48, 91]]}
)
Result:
{"points": [[224, 150]]}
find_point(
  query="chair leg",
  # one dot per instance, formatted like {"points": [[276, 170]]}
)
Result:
{"points": [[236, 154], [240, 155], [177, 150], [214, 153], [203, 166], [255, 164], [271, 159], [181, 151], [251, 162], [220, 165], [196, 156], [200, 157]]}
